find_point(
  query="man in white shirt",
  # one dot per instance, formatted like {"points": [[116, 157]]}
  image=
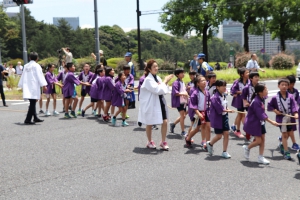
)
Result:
{"points": [[31, 82], [252, 64], [69, 55], [19, 69]]}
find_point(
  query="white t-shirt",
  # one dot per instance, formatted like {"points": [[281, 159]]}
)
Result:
{"points": [[11, 71], [201, 101], [19, 69]]}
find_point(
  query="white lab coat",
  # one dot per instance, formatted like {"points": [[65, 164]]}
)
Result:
{"points": [[32, 80], [150, 110]]}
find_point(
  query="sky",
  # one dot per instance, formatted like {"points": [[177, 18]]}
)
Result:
{"points": [[110, 12]]}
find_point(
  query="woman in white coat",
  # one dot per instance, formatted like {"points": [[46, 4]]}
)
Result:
{"points": [[153, 107]]}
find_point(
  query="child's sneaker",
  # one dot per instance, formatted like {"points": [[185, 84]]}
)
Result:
{"points": [[188, 143], [164, 146], [225, 155], [233, 128], [279, 141], [246, 152], [172, 126], [41, 112], [295, 147], [287, 156], [55, 112], [67, 116], [79, 112], [210, 148], [298, 156], [127, 116], [281, 149], [183, 133], [238, 134], [113, 121], [248, 136], [151, 145], [106, 118], [124, 123], [154, 127], [82, 113], [73, 114], [262, 160], [47, 113], [140, 124]]}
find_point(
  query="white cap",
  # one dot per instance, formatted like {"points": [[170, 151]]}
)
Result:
{"points": [[101, 51]]}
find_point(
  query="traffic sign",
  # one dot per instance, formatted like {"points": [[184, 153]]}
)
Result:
{"points": [[9, 3], [262, 50]]}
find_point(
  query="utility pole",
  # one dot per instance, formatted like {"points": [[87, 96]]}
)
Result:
{"points": [[25, 56], [264, 40], [0, 53], [138, 13], [97, 43]]}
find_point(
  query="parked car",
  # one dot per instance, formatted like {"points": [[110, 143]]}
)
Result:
{"points": [[298, 72]]}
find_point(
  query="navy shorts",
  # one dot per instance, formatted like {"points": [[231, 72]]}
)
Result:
{"points": [[263, 129], [241, 109], [83, 93], [182, 107], [94, 100], [288, 128], [69, 97], [225, 125]]}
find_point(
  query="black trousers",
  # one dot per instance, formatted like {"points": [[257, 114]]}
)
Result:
{"points": [[2, 95], [31, 111]]}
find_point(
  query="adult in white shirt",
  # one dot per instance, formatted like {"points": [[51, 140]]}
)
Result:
{"points": [[252, 64], [153, 107], [31, 82], [11, 70], [19, 69], [69, 55]]}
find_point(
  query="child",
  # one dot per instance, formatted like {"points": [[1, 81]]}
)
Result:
{"points": [[190, 85], [69, 90], [255, 120], [284, 104], [51, 81], [96, 92], [237, 102], [219, 114], [109, 86], [294, 92], [179, 98], [61, 77], [210, 87], [248, 91], [85, 77], [129, 81], [199, 106], [95, 75], [119, 98]]}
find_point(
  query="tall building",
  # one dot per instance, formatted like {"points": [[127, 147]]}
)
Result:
{"points": [[72, 21], [256, 43], [233, 32]]}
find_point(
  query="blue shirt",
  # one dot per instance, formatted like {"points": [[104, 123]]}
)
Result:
{"points": [[194, 64]]}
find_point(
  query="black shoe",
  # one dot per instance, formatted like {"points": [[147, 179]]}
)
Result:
{"points": [[82, 113], [38, 120], [154, 127], [140, 124], [131, 105], [29, 122]]}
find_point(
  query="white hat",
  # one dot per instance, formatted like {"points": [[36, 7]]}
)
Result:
{"points": [[101, 51]]}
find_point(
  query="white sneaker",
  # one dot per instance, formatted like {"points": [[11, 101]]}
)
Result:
{"points": [[226, 155], [210, 148], [55, 112], [47, 113], [151, 145], [262, 160], [246, 152]]}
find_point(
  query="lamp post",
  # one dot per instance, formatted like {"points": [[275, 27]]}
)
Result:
{"points": [[138, 13], [25, 57], [97, 45]]}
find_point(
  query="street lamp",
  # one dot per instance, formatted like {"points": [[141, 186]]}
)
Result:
{"points": [[127, 43]]}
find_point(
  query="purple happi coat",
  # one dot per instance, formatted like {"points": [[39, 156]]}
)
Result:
{"points": [[175, 100], [216, 110], [193, 103], [255, 117], [238, 85], [51, 79], [96, 91], [61, 76], [191, 84], [68, 83], [247, 92], [292, 107], [86, 78], [118, 94], [109, 86]]}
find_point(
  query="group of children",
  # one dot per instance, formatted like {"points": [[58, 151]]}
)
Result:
{"points": [[104, 89], [204, 100]]}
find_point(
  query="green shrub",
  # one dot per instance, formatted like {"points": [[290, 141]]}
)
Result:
{"points": [[50, 60], [113, 62], [242, 59], [123, 62], [13, 81], [282, 61], [180, 64], [222, 64], [15, 62], [80, 62]]}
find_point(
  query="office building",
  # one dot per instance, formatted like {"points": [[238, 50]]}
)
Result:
{"points": [[233, 32], [72, 21]]}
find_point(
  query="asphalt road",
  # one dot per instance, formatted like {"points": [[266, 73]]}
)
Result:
{"points": [[85, 158]]}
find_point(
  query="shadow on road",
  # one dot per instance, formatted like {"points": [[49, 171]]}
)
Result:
{"points": [[251, 164], [297, 176], [174, 136], [139, 129], [23, 124], [214, 158], [145, 150]]}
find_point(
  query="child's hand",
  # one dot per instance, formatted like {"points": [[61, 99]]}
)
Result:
{"points": [[200, 116], [247, 104], [274, 123], [277, 112], [229, 111], [296, 116], [127, 90], [235, 95]]}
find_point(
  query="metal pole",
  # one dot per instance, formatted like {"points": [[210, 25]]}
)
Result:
{"points": [[264, 40], [97, 47], [25, 57], [0, 53], [138, 12]]}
